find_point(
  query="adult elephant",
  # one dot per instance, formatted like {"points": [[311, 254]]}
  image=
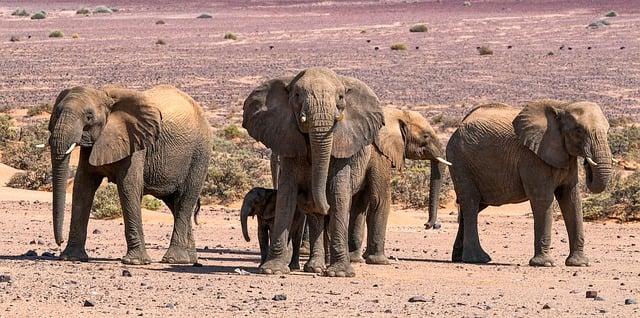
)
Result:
{"points": [[503, 155], [154, 142], [406, 134], [322, 126]]}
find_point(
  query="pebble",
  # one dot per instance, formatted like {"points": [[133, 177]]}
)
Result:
{"points": [[126, 273], [30, 253], [546, 306], [598, 298], [40, 242], [417, 299], [96, 231], [630, 301], [170, 306], [5, 279], [602, 311], [279, 297], [592, 294], [89, 303]]}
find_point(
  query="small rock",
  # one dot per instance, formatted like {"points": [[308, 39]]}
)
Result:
{"points": [[32, 242], [602, 311], [40, 242], [630, 301], [126, 273], [509, 46], [592, 294], [271, 47], [89, 303], [575, 274], [96, 231], [466, 4], [611, 14], [417, 299], [563, 240], [546, 306], [170, 306], [598, 298], [376, 48], [31, 253], [387, 311], [5, 279], [368, 41], [279, 297], [241, 271]]}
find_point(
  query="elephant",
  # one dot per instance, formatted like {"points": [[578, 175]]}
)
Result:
{"points": [[155, 142], [502, 154], [261, 202], [322, 126], [405, 134]]}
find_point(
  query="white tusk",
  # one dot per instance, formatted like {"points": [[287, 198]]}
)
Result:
{"points": [[40, 146], [303, 118], [73, 145], [591, 162], [443, 161], [615, 160]]}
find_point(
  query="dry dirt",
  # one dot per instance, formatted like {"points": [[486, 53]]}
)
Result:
{"points": [[445, 72]]}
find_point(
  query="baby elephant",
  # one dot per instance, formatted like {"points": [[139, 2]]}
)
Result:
{"points": [[261, 202]]}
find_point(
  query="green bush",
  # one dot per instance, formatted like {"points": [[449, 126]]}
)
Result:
{"points": [[399, 47], [83, 11], [625, 142], [39, 15], [7, 129], [37, 179], [20, 13], [233, 131], [102, 9], [230, 36], [410, 187], [106, 203], [151, 203], [39, 109], [621, 200], [56, 34], [24, 154], [419, 28]]}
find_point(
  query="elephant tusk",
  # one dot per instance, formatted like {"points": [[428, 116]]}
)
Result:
{"points": [[591, 162], [303, 119], [73, 145], [40, 146], [614, 160], [339, 116], [443, 161]]}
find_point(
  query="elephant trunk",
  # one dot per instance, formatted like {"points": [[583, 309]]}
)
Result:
{"points": [[60, 172], [245, 212], [321, 139], [598, 175], [435, 184]]}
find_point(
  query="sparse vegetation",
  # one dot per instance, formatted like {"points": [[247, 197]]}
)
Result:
{"points": [[620, 121], [102, 9], [625, 142], [37, 179], [39, 15], [620, 201], [149, 202], [230, 36], [233, 131], [419, 28], [75, 36], [20, 13], [444, 121], [484, 50], [56, 34], [83, 11], [410, 187], [399, 47], [106, 203], [7, 129], [160, 22], [161, 42], [598, 24], [466, 4], [14, 38], [22, 152], [205, 16], [39, 109], [611, 14]]}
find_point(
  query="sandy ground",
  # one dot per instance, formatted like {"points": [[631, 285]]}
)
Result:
{"points": [[443, 75]]}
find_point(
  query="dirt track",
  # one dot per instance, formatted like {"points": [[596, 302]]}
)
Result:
{"points": [[445, 71]]}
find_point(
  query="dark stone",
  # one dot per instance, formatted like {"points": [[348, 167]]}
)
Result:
{"points": [[376, 48], [630, 301], [96, 231], [368, 41], [592, 294], [5, 279], [546, 306], [417, 299], [89, 303], [279, 297], [509, 47], [126, 273]]}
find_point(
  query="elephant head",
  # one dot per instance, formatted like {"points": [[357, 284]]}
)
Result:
{"points": [[559, 132], [112, 122], [317, 112], [407, 134], [258, 201]]}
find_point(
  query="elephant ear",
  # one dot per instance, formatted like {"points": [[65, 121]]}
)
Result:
{"points": [[538, 128], [61, 96], [268, 118], [390, 139], [132, 124], [363, 118]]}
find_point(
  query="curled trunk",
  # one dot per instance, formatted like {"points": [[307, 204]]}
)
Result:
{"points": [[598, 176]]}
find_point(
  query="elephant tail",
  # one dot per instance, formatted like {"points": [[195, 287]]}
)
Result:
{"points": [[196, 212]]}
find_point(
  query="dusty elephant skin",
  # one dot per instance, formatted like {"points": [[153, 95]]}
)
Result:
{"points": [[322, 126], [142, 141], [261, 203], [504, 155], [406, 134]]}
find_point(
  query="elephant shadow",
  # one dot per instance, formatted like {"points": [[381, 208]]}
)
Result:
{"points": [[443, 261]]}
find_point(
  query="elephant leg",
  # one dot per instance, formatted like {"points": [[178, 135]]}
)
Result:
{"points": [[130, 188], [84, 189], [341, 194], [542, 222], [263, 240], [356, 227], [316, 262], [472, 251], [286, 203], [377, 218], [305, 248], [296, 239], [456, 255], [571, 207]]}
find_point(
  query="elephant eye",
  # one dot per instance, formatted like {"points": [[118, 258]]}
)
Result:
{"points": [[90, 117]]}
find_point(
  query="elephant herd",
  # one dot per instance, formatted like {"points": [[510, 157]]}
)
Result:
{"points": [[335, 148]]}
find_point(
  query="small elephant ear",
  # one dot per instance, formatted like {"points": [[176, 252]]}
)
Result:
{"points": [[363, 118], [269, 204], [390, 138], [538, 128], [132, 124], [268, 118]]}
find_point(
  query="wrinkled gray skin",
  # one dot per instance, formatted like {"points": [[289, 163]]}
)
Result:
{"points": [[153, 142], [406, 134], [322, 126], [503, 155], [261, 203]]}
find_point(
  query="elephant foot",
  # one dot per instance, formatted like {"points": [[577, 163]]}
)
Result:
{"points": [[456, 255], [274, 267], [180, 255], [294, 265], [542, 260], [305, 249], [136, 256], [475, 256], [356, 256], [377, 259], [340, 269], [577, 259], [74, 253], [432, 225], [315, 265]]}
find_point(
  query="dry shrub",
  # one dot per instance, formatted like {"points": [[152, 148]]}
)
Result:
{"points": [[102, 9], [410, 187], [620, 201], [484, 50], [161, 42], [149, 202], [160, 22], [7, 129], [444, 121], [419, 28], [399, 47], [39, 109], [625, 142], [230, 36], [56, 34], [83, 11], [205, 16], [20, 13], [39, 15], [106, 203]]}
